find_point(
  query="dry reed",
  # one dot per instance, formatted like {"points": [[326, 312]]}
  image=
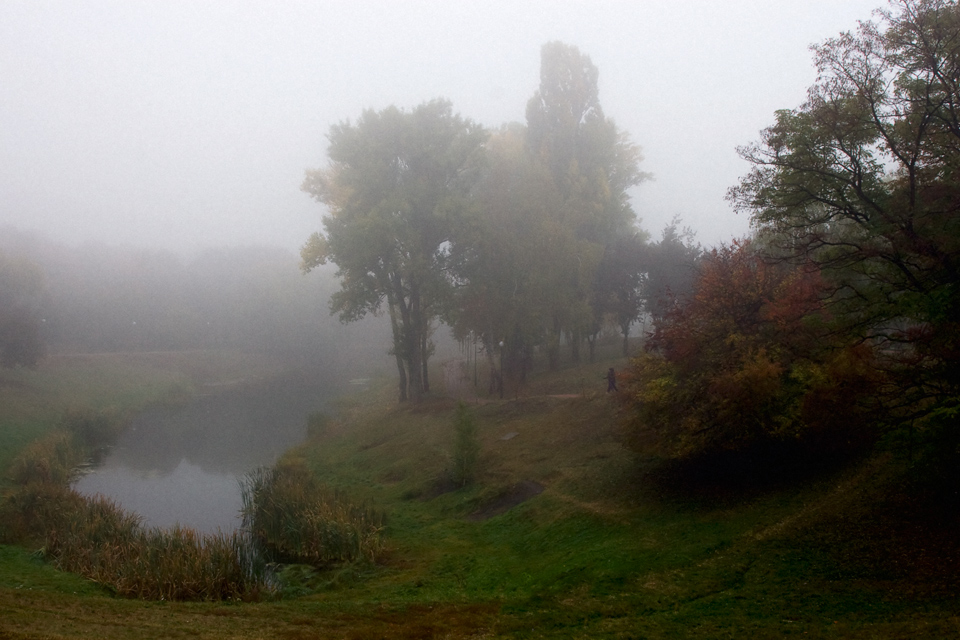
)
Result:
{"points": [[292, 518], [97, 539]]}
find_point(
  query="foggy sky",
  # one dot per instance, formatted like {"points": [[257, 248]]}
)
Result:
{"points": [[188, 124]]}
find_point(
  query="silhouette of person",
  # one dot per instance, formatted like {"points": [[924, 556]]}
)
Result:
{"points": [[611, 380]]}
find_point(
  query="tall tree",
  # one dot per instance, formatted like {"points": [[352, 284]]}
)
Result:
{"points": [[593, 165], [509, 259], [864, 179], [396, 181], [621, 281]]}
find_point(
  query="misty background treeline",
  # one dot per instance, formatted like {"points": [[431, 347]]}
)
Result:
{"points": [[99, 298], [522, 238]]}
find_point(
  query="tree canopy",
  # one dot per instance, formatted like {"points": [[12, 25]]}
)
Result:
{"points": [[863, 179], [396, 182], [501, 236], [744, 365], [842, 315], [541, 258]]}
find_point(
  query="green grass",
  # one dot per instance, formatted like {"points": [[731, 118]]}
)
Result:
{"points": [[604, 551]]}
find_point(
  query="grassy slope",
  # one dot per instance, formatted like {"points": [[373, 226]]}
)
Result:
{"points": [[600, 553]]}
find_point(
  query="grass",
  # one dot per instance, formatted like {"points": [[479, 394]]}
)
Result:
{"points": [[605, 551]]}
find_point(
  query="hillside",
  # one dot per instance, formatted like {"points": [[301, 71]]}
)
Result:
{"points": [[564, 533]]}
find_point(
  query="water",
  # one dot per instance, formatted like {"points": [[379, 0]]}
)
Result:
{"points": [[183, 465]]}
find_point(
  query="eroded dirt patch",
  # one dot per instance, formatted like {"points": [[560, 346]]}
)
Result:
{"points": [[517, 494]]}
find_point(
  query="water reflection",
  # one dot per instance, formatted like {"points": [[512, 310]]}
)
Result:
{"points": [[183, 465], [186, 494]]}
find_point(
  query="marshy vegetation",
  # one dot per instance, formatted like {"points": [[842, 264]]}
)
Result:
{"points": [[93, 537], [288, 517], [291, 518]]}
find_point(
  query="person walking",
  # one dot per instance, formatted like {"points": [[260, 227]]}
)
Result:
{"points": [[611, 380]]}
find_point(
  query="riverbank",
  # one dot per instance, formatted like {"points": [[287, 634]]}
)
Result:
{"points": [[601, 548], [33, 401]]}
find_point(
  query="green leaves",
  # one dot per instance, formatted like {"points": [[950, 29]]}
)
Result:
{"points": [[396, 182], [863, 179]]}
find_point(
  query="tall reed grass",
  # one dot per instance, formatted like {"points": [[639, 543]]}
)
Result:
{"points": [[49, 460], [97, 539], [293, 518], [54, 457], [107, 545]]}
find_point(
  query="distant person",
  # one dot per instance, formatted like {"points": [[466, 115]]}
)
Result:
{"points": [[611, 380]]}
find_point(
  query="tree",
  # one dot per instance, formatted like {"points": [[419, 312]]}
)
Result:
{"points": [[549, 203], [507, 258], [743, 365], [593, 165], [21, 290], [395, 183], [466, 445], [621, 280], [670, 268], [863, 179]]}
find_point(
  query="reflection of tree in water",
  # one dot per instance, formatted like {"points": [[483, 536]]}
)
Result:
{"points": [[183, 464], [230, 431]]}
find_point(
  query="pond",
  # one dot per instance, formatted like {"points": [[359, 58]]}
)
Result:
{"points": [[184, 464]]}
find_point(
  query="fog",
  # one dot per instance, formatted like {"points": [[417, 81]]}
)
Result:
{"points": [[189, 125], [103, 298]]}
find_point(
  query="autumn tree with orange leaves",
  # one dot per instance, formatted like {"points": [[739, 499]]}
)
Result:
{"points": [[746, 364]]}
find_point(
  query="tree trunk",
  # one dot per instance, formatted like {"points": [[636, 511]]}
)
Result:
{"points": [[403, 379], [398, 350], [423, 359], [494, 373], [413, 333], [553, 346], [575, 340]]}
